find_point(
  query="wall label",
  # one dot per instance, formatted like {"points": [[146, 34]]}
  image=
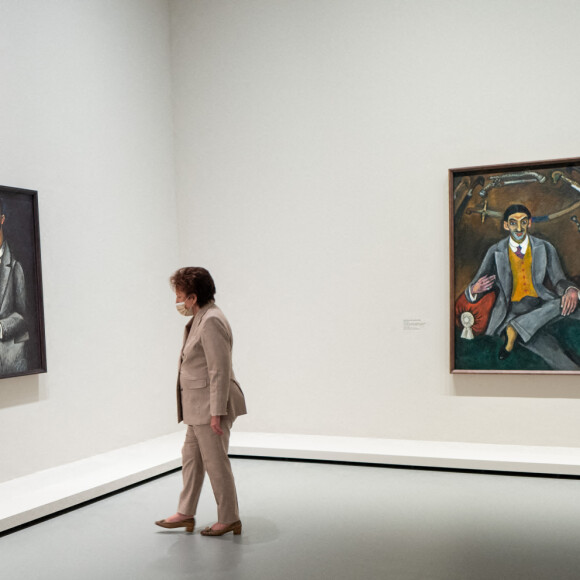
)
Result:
{"points": [[413, 324]]}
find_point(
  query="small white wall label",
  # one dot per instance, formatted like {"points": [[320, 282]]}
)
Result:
{"points": [[413, 324]]}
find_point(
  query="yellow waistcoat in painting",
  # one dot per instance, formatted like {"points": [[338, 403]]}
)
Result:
{"points": [[522, 275]]}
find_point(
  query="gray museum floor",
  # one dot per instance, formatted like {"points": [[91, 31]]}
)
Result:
{"points": [[318, 521]]}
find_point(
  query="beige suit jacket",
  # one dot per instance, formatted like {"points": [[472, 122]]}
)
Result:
{"points": [[206, 385]]}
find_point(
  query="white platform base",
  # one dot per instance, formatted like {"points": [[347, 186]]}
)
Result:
{"points": [[34, 496]]}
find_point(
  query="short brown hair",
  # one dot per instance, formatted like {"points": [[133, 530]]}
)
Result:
{"points": [[194, 280]]}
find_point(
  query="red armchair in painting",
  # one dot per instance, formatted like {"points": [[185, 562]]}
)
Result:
{"points": [[473, 317]]}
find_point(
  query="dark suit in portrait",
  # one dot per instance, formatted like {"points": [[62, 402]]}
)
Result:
{"points": [[13, 322]]}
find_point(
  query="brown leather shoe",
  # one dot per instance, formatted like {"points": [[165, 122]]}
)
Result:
{"points": [[236, 527], [188, 524]]}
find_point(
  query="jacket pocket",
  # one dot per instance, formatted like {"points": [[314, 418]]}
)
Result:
{"points": [[188, 383]]}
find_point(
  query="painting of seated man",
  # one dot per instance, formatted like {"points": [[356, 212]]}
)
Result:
{"points": [[516, 268]]}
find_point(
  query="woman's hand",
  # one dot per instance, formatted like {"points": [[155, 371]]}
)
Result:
{"points": [[215, 425]]}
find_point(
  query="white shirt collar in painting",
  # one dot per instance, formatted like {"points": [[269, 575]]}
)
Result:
{"points": [[524, 245]]}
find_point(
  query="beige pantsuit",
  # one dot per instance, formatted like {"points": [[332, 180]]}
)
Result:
{"points": [[203, 450], [206, 387]]}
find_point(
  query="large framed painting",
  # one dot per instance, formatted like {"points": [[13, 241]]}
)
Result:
{"points": [[515, 268], [22, 344]]}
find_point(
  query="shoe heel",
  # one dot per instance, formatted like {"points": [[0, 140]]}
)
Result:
{"points": [[238, 530], [189, 528]]}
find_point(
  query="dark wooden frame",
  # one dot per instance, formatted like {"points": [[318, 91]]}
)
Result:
{"points": [[456, 175], [25, 244]]}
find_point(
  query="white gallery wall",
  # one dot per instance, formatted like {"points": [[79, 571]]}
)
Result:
{"points": [[85, 119], [298, 149], [313, 139]]}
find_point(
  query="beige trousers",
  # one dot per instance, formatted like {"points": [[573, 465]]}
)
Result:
{"points": [[203, 451]]}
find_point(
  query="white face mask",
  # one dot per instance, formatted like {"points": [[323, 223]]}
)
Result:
{"points": [[183, 310]]}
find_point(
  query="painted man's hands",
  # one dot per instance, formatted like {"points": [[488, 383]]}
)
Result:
{"points": [[483, 284], [569, 301], [568, 304]]}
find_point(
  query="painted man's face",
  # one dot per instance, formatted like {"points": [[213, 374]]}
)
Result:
{"points": [[517, 225]]}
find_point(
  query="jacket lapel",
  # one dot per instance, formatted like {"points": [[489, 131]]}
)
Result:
{"points": [[504, 271], [186, 332], [539, 262], [192, 326]]}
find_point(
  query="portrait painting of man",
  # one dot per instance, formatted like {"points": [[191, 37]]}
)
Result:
{"points": [[22, 348], [515, 268]]}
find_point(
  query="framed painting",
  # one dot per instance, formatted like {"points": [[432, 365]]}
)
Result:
{"points": [[22, 342], [515, 268]]}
